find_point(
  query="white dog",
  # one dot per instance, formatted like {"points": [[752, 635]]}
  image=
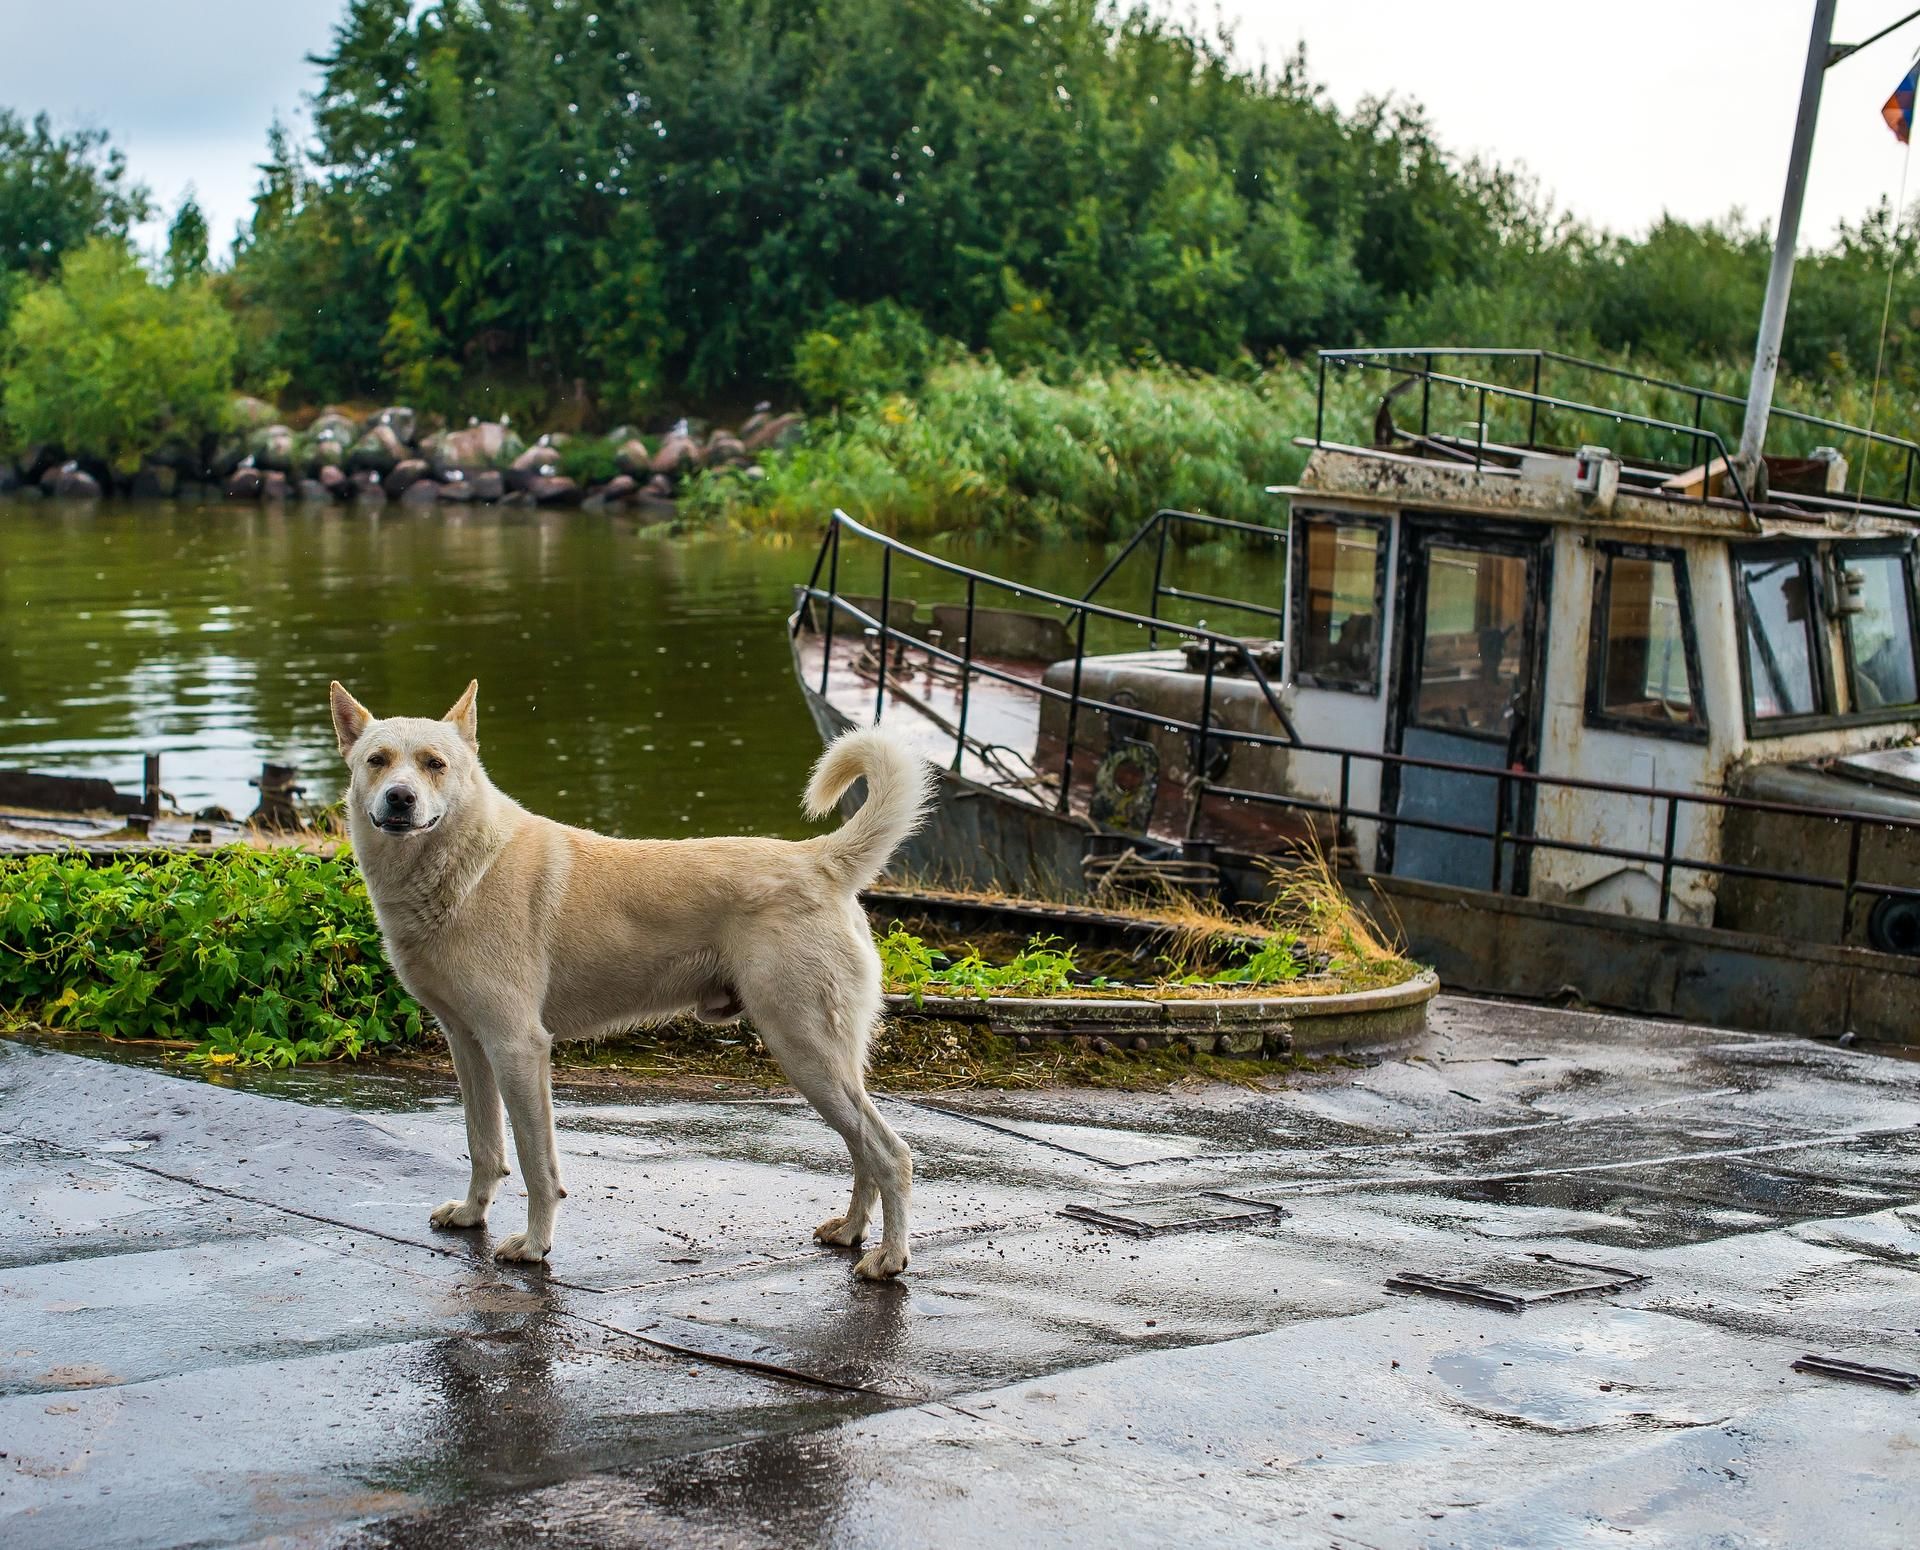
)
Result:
{"points": [[514, 931]]}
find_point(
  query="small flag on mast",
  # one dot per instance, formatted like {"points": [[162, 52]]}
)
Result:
{"points": [[1899, 109]]}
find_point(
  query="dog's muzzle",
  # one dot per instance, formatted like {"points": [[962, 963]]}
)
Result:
{"points": [[398, 812], [402, 823]]}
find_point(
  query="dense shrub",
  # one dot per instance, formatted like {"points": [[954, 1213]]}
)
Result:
{"points": [[266, 957], [104, 363]]}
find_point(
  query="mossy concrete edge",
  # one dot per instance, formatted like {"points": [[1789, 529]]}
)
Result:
{"points": [[1342, 1022]]}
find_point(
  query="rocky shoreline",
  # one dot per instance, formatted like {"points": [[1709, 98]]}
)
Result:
{"points": [[394, 454]]}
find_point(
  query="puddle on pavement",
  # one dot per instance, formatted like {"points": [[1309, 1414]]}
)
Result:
{"points": [[1599, 1366]]}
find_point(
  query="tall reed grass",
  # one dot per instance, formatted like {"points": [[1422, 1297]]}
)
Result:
{"points": [[982, 450]]}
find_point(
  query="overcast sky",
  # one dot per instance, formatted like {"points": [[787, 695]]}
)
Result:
{"points": [[1621, 111]]}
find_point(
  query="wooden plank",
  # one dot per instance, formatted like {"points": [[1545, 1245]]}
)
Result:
{"points": [[1713, 474]]}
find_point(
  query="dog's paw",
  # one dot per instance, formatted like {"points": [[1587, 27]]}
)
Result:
{"points": [[881, 1264], [838, 1230], [459, 1213], [519, 1250]]}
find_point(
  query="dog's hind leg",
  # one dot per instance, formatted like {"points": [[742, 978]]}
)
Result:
{"points": [[486, 1135], [523, 1066], [850, 1229], [823, 1060]]}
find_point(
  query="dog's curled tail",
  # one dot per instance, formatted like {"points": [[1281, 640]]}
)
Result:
{"points": [[899, 786]]}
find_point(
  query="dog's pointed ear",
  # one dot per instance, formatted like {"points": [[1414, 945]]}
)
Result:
{"points": [[465, 715], [350, 717]]}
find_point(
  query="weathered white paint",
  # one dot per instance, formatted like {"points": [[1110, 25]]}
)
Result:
{"points": [[1341, 718], [1386, 484], [1570, 747]]}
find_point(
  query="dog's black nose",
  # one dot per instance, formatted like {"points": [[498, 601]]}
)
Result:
{"points": [[400, 798]]}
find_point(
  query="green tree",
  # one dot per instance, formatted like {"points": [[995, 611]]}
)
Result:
{"points": [[56, 191], [627, 193], [187, 242], [103, 363]]}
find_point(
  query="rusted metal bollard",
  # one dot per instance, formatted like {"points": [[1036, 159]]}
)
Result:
{"points": [[277, 812]]}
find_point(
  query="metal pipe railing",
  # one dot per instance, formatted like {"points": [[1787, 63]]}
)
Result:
{"points": [[1159, 525], [1505, 834], [1700, 395], [1701, 437], [1343, 811]]}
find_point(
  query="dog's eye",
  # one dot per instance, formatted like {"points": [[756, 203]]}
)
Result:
{"points": [[436, 765], [376, 761]]}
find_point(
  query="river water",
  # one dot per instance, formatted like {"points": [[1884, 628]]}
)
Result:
{"points": [[629, 681]]}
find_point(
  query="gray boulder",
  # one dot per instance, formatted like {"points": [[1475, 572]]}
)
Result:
{"points": [[420, 492], [725, 450], [406, 472], [473, 450], [367, 488], [71, 482], [489, 486], [553, 490], [271, 446], [377, 451], [319, 448], [632, 457], [273, 485], [246, 413], [398, 418], [677, 454], [244, 484], [314, 492], [540, 461], [614, 494], [780, 432]]}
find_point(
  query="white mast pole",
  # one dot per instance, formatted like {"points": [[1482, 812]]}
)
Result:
{"points": [[1773, 316]]}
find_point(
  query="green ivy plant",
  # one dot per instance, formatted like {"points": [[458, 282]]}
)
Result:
{"points": [[253, 957]]}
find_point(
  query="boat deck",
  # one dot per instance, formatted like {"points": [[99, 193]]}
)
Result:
{"points": [[921, 705]]}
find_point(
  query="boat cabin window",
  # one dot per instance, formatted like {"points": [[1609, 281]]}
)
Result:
{"points": [[1644, 672], [1339, 595], [1778, 636], [1473, 655], [1880, 638]]}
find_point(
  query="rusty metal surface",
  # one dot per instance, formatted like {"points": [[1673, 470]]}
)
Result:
{"points": [[224, 1319], [1514, 1283], [1520, 947]]}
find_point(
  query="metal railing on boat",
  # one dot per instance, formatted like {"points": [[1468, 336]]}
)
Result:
{"points": [[1506, 835], [1415, 363]]}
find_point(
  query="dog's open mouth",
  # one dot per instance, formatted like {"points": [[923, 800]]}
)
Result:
{"points": [[403, 825]]}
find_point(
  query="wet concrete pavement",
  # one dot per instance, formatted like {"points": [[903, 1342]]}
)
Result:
{"points": [[224, 1319]]}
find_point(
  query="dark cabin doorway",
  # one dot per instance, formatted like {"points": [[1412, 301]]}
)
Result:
{"points": [[1466, 693]]}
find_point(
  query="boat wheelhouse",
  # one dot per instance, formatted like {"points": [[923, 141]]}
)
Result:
{"points": [[1595, 711]]}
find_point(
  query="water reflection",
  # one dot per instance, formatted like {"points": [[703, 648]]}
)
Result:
{"points": [[630, 682]]}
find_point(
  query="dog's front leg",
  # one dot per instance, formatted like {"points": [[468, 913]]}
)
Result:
{"points": [[522, 1065], [486, 1135]]}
